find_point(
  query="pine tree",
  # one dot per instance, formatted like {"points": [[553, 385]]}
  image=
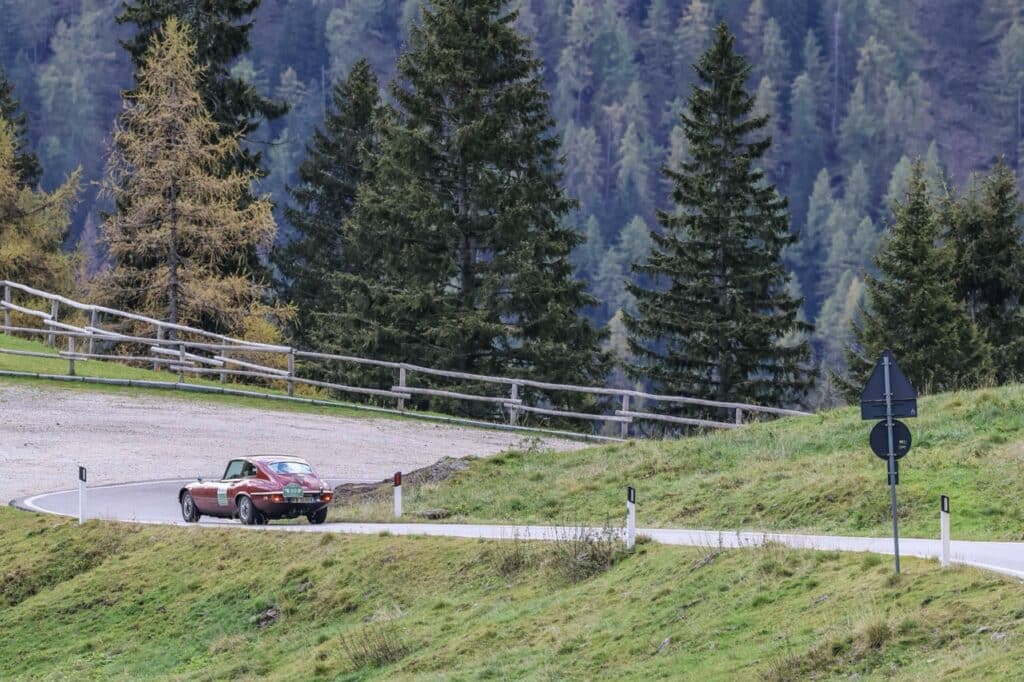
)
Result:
{"points": [[221, 30], [582, 165], [857, 192], [26, 163], [590, 252], [631, 176], [773, 60], [716, 329], [658, 54], [359, 29], [899, 180], [912, 307], [1006, 88], [858, 132], [693, 35], [336, 163], [176, 238], [766, 105], [816, 68], [876, 68], [833, 324], [806, 147], [987, 235], [753, 26], [810, 251], [460, 230], [79, 91], [33, 223]]}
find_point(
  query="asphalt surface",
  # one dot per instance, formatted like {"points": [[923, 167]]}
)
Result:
{"points": [[145, 502], [156, 502]]}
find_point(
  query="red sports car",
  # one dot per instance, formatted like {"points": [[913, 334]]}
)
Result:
{"points": [[257, 489]]}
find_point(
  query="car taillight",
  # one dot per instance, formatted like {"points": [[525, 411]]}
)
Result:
{"points": [[276, 498], [326, 497]]}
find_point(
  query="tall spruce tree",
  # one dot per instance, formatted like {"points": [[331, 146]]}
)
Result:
{"points": [[26, 163], [221, 30], [986, 232], [335, 164], [715, 328], [459, 243], [180, 229], [912, 307]]}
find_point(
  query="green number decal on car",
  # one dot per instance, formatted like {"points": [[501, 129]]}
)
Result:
{"points": [[293, 490], [222, 495]]}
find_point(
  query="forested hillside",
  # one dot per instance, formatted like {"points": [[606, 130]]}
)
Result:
{"points": [[856, 89]]}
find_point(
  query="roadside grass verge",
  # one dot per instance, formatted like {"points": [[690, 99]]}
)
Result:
{"points": [[205, 604], [114, 370], [803, 474]]}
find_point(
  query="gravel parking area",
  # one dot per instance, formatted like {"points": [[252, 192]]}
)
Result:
{"points": [[46, 433]]}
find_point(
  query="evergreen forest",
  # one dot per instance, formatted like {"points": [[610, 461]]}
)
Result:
{"points": [[535, 187]]}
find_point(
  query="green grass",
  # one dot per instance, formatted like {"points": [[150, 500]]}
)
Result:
{"points": [[810, 474], [114, 370], [112, 601]]}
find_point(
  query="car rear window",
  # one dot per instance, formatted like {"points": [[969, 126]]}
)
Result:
{"points": [[290, 468]]}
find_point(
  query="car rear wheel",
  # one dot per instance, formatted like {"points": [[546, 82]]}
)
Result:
{"points": [[188, 508], [317, 517], [247, 512]]}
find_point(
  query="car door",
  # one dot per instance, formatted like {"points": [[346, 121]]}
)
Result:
{"points": [[240, 483], [223, 501]]}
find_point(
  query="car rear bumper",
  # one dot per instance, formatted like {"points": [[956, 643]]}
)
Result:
{"points": [[279, 510]]}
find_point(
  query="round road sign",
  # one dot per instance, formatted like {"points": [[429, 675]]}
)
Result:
{"points": [[879, 439]]}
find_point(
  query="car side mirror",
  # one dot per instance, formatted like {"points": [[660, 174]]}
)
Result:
{"points": [[199, 478]]}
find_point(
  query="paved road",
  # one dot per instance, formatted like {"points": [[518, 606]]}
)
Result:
{"points": [[155, 502], [47, 433], [146, 502]]}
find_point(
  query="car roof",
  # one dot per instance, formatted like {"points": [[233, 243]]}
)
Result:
{"points": [[268, 459]]}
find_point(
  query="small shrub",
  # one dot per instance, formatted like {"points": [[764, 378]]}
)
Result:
{"points": [[374, 645], [870, 561], [579, 553], [513, 555], [874, 633]]}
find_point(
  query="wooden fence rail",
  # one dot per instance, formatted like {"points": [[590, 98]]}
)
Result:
{"points": [[200, 352]]}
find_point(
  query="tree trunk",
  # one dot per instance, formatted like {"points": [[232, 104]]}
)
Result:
{"points": [[172, 262]]}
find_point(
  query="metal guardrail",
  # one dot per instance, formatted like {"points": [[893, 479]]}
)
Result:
{"points": [[208, 353]]}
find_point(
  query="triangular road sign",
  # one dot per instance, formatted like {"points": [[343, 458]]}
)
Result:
{"points": [[872, 398]]}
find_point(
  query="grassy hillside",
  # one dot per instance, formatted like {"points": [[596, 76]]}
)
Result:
{"points": [[113, 370], [118, 601], [801, 474]]}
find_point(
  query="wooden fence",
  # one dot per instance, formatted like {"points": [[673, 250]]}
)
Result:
{"points": [[187, 351]]}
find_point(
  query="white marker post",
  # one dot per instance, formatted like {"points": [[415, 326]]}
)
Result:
{"points": [[944, 529], [398, 494], [81, 495], [630, 517]]}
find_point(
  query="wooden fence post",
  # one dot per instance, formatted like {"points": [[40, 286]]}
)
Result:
{"points": [[739, 415], [159, 337], [624, 431], [93, 320], [181, 363], [54, 309], [401, 385], [7, 312], [224, 354], [291, 372], [71, 359], [513, 413]]}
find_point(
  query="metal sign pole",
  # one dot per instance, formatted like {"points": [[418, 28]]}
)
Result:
{"points": [[630, 517], [398, 494], [892, 466]]}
